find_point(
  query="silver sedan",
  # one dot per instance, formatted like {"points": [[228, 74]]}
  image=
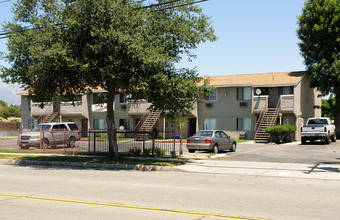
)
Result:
{"points": [[212, 140]]}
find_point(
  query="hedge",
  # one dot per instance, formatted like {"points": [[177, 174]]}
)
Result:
{"points": [[281, 133]]}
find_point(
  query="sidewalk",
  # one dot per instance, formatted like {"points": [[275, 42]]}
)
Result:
{"points": [[292, 170]]}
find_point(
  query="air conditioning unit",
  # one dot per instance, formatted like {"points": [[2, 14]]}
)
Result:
{"points": [[208, 105], [123, 106], [243, 104]]}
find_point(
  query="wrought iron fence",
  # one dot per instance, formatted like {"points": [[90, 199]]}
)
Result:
{"points": [[96, 142]]}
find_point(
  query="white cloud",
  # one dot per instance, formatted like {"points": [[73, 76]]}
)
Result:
{"points": [[8, 93]]}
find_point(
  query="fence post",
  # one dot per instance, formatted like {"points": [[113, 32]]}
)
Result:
{"points": [[174, 137], [143, 144], [94, 142], [153, 143], [89, 144], [18, 142], [64, 141]]}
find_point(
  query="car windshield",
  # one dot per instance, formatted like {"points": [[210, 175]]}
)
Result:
{"points": [[318, 121], [204, 133], [73, 127], [42, 127]]}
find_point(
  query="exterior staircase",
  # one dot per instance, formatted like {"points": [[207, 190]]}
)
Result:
{"points": [[267, 119], [50, 117], [146, 124]]}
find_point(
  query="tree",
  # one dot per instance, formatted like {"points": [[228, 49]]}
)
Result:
{"points": [[3, 104], [64, 47], [320, 42], [10, 111], [180, 122], [328, 107]]}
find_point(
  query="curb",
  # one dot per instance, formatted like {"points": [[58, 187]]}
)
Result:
{"points": [[82, 165]]}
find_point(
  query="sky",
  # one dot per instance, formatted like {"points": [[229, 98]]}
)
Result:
{"points": [[254, 36]]}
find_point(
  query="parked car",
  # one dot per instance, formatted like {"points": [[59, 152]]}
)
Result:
{"points": [[212, 140], [50, 134], [318, 129]]}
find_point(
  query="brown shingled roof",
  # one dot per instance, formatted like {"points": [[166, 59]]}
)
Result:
{"points": [[262, 79]]}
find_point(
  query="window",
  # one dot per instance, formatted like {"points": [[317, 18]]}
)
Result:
{"points": [[243, 124], [124, 123], [212, 95], [122, 98], [285, 121], [98, 124], [243, 93], [285, 90], [209, 124]]}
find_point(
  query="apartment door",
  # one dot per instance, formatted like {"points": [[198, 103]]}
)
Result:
{"points": [[192, 126]]}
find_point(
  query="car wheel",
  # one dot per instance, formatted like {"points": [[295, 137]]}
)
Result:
{"points": [[46, 143], [72, 142], [191, 151], [303, 140], [334, 138], [215, 149], [327, 140], [233, 147]]}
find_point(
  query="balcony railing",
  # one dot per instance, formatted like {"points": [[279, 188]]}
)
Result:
{"points": [[287, 103], [37, 111], [67, 108], [260, 103], [138, 108]]}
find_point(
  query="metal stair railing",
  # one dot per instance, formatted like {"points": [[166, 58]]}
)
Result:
{"points": [[271, 122], [259, 121], [147, 125]]}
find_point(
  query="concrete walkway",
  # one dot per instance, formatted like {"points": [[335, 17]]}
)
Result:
{"points": [[293, 170]]}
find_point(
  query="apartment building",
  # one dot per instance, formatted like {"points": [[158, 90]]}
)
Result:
{"points": [[235, 106], [237, 102]]}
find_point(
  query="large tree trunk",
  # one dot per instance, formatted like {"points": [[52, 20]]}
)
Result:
{"points": [[111, 127], [337, 113]]}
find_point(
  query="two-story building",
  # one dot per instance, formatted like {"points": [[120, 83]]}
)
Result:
{"points": [[235, 105], [238, 101]]}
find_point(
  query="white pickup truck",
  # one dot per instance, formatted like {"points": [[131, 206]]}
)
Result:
{"points": [[318, 129]]}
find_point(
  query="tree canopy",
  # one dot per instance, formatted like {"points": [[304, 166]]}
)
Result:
{"points": [[64, 47], [319, 33], [328, 107], [7, 111]]}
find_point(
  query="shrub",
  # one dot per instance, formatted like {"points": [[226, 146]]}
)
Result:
{"points": [[147, 151], [281, 133], [135, 151], [159, 152]]}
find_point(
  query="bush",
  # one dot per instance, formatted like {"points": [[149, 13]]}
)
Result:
{"points": [[135, 151], [281, 133], [159, 152], [147, 152]]}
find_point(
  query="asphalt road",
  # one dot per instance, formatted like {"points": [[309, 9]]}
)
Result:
{"points": [[55, 193]]}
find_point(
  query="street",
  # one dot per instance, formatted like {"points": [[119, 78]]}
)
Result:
{"points": [[290, 181], [52, 193]]}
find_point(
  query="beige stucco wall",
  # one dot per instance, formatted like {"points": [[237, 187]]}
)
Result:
{"points": [[226, 109], [307, 104]]}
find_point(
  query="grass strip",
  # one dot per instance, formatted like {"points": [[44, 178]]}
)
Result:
{"points": [[105, 160]]}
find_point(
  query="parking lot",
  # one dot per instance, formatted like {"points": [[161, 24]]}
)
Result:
{"points": [[283, 153]]}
